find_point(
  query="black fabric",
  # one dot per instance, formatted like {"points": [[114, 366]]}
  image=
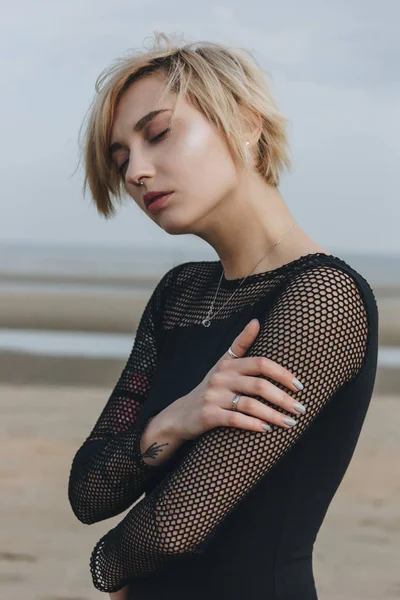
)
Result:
{"points": [[232, 512]]}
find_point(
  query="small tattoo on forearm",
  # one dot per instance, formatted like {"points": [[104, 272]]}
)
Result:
{"points": [[153, 450]]}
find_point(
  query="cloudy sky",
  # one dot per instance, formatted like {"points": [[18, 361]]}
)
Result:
{"points": [[334, 68]]}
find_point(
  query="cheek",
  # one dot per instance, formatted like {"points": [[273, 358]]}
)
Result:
{"points": [[202, 156], [191, 150], [196, 141]]}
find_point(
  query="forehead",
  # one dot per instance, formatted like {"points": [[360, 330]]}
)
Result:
{"points": [[141, 97], [143, 94]]}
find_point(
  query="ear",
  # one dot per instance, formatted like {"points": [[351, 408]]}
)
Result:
{"points": [[254, 125]]}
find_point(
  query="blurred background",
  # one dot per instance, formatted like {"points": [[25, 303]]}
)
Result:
{"points": [[73, 285]]}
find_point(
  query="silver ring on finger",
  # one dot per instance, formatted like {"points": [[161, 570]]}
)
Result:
{"points": [[235, 401], [231, 352]]}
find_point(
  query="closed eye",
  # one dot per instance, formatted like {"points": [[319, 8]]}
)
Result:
{"points": [[160, 135], [154, 140]]}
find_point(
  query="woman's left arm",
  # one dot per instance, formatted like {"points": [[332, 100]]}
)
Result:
{"points": [[318, 329]]}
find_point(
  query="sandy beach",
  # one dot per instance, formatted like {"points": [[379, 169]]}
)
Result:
{"points": [[44, 550], [119, 309]]}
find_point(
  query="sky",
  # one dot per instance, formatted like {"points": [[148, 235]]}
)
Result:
{"points": [[333, 66]]}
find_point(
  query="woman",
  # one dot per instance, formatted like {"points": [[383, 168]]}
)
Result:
{"points": [[242, 401]]}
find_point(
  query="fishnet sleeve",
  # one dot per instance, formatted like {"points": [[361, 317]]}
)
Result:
{"points": [[318, 328], [108, 472]]}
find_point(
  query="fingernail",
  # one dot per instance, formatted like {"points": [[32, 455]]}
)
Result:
{"points": [[266, 427], [297, 384], [299, 407], [289, 421]]}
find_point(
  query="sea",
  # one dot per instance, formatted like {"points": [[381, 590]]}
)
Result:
{"points": [[63, 261], [26, 267]]}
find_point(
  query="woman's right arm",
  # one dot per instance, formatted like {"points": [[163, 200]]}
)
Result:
{"points": [[110, 470]]}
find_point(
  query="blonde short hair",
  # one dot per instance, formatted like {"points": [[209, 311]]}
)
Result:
{"points": [[215, 79]]}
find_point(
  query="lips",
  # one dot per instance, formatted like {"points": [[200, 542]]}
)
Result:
{"points": [[151, 196]]}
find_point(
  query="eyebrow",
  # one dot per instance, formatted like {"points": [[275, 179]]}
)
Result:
{"points": [[138, 127]]}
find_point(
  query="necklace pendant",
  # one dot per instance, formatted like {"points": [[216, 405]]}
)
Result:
{"points": [[206, 322]]}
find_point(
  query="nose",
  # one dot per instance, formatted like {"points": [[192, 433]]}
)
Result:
{"points": [[138, 169]]}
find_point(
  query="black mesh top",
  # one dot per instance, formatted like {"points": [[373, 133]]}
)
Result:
{"points": [[233, 513]]}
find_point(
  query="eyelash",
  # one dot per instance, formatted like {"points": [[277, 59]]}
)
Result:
{"points": [[152, 141]]}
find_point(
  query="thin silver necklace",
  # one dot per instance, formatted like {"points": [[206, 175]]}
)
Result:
{"points": [[207, 321]]}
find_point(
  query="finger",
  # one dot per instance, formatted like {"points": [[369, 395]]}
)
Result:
{"points": [[261, 365], [244, 340], [239, 420], [255, 386], [265, 413], [261, 412]]}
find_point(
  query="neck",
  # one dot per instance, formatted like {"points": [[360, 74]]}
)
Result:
{"points": [[244, 226]]}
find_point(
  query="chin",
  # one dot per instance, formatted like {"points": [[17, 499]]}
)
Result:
{"points": [[174, 226], [177, 223]]}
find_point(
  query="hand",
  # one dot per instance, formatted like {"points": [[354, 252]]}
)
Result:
{"points": [[122, 594], [209, 404]]}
